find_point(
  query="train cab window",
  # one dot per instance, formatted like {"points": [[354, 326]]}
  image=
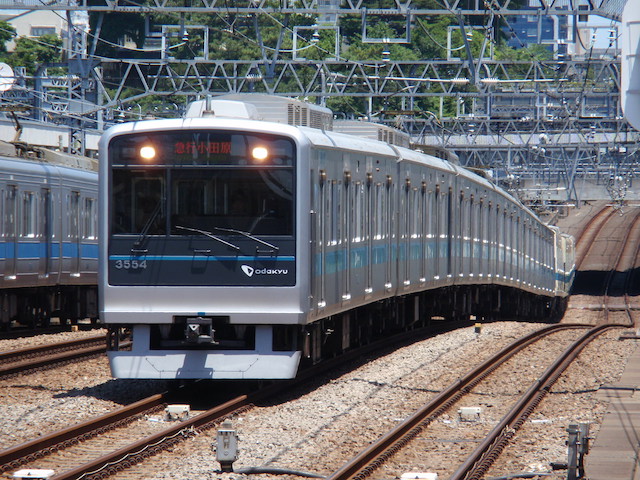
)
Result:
{"points": [[216, 181], [29, 215]]}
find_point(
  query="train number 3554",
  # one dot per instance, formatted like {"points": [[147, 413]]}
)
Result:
{"points": [[130, 264]]}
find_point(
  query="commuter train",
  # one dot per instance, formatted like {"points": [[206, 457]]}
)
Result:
{"points": [[48, 240], [235, 245]]}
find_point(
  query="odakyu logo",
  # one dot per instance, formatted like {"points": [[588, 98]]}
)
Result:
{"points": [[250, 271]]}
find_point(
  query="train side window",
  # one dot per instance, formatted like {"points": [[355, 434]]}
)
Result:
{"points": [[415, 213], [10, 213], [327, 190], [73, 203], [502, 239], [358, 212], [433, 214], [498, 240], [46, 217], [481, 235], [473, 233], [334, 237], [450, 229], [90, 219], [507, 244], [345, 213], [406, 225], [517, 242], [382, 205], [29, 215], [377, 213], [440, 231]]}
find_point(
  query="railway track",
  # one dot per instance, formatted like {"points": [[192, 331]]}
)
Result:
{"points": [[369, 460], [111, 443], [607, 254], [47, 356], [589, 232], [13, 332], [102, 463], [107, 444], [618, 281]]}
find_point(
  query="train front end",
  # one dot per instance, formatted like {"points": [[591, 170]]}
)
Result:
{"points": [[199, 250]]}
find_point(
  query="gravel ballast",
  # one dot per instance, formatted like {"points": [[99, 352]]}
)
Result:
{"points": [[317, 428]]}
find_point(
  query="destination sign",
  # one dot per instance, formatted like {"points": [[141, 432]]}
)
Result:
{"points": [[202, 148]]}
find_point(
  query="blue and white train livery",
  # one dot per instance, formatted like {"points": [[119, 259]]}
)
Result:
{"points": [[235, 245], [48, 242]]}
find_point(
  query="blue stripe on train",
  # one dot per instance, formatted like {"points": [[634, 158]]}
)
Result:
{"points": [[37, 250], [201, 258]]}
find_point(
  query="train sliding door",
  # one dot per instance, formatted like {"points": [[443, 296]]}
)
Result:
{"points": [[74, 233], [11, 231], [44, 267]]}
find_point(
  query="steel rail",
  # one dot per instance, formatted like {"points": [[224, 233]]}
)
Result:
{"points": [[9, 355], [373, 456], [16, 456], [114, 461], [50, 360], [476, 465], [589, 232], [618, 268]]}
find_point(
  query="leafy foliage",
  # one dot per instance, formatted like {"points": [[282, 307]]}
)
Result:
{"points": [[7, 32], [32, 53], [265, 39]]}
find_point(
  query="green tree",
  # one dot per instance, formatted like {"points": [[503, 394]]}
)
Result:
{"points": [[7, 32], [32, 52]]}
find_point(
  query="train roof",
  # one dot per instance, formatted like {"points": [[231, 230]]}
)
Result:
{"points": [[14, 165], [316, 137], [23, 152]]}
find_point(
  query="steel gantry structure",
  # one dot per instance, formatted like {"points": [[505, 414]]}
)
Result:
{"points": [[542, 127]]}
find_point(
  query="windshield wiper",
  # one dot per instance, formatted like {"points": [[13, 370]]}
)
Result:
{"points": [[210, 235], [273, 247], [145, 230]]}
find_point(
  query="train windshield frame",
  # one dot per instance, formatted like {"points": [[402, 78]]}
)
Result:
{"points": [[202, 181]]}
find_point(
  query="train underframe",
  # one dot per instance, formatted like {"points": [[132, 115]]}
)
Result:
{"points": [[36, 306], [276, 351], [460, 304]]}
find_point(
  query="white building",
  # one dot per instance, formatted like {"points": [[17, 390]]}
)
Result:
{"points": [[34, 23]]}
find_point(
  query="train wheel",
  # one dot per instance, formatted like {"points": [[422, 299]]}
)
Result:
{"points": [[28, 317], [44, 317]]}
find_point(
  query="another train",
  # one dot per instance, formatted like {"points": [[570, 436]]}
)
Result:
{"points": [[48, 240], [235, 245]]}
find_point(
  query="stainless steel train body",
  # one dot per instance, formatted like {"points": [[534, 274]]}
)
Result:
{"points": [[333, 227], [48, 242], [565, 262]]}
